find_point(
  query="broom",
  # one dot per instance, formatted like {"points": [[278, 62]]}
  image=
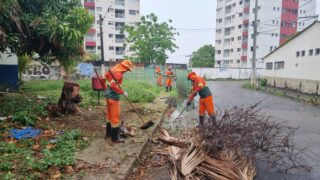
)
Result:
{"points": [[145, 125]]}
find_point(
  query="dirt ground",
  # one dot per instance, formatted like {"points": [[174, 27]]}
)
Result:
{"points": [[102, 159]]}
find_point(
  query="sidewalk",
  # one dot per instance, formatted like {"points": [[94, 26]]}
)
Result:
{"points": [[114, 161]]}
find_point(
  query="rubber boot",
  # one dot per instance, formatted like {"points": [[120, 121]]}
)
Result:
{"points": [[170, 88], [201, 121], [115, 135], [108, 130], [213, 120], [167, 88]]}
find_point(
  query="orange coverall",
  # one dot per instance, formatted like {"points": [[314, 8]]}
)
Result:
{"points": [[113, 95], [159, 78], [206, 103], [169, 78]]}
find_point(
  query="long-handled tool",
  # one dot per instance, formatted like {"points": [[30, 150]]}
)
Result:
{"points": [[145, 125], [186, 107]]}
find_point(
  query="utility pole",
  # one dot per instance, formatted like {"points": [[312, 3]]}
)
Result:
{"points": [[254, 54], [101, 46]]}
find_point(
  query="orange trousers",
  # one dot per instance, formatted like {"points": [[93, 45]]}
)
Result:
{"points": [[159, 81], [113, 112], [169, 82], [206, 105]]}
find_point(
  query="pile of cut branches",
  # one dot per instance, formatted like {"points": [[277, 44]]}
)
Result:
{"points": [[258, 138], [230, 150]]}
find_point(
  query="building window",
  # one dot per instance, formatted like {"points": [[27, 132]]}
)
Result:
{"points": [[90, 48], [279, 65], [99, 47], [303, 53], [110, 23], [238, 61], [269, 66], [310, 52], [111, 48], [318, 51], [239, 49], [132, 12], [240, 14], [110, 35], [98, 34], [297, 53]]}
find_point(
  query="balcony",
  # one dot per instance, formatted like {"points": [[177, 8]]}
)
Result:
{"points": [[119, 2], [119, 26], [246, 21], [92, 31], [119, 53], [246, 9], [90, 43], [90, 5], [244, 46], [119, 13], [243, 58], [245, 33]]}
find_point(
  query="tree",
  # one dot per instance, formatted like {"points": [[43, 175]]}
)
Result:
{"points": [[203, 57], [52, 27], [150, 40]]}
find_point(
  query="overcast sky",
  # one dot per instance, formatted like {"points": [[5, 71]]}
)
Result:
{"points": [[187, 14]]}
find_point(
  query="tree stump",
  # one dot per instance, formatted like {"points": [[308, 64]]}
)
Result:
{"points": [[69, 98]]}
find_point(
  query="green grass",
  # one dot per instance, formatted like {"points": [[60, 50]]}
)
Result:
{"points": [[260, 88], [18, 159]]}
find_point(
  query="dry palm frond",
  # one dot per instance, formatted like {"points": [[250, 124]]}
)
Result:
{"points": [[191, 159]]}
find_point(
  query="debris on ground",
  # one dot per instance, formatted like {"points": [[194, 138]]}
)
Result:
{"points": [[25, 133], [242, 137]]}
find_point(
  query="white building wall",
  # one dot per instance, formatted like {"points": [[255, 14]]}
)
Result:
{"points": [[307, 9], [269, 18], [108, 8], [299, 73]]}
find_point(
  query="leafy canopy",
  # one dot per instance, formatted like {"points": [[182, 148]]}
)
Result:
{"points": [[203, 57], [51, 27], [151, 40]]}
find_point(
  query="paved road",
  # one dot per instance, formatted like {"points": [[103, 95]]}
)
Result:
{"points": [[306, 117]]}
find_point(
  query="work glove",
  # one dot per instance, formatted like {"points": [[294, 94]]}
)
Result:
{"points": [[188, 103], [125, 94]]}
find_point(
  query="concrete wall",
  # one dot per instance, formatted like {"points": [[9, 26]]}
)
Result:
{"points": [[42, 71], [8, 72], [299, 73], [225, 73]]}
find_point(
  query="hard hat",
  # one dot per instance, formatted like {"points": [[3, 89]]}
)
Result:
{"points": [[128, 64], [192, 75]]}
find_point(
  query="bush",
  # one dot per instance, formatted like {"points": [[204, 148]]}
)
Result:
{"points": [[141, 92], [263, 82], [25, 118]]}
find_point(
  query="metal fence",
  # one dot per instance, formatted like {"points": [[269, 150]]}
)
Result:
{"points": [[147, 74]]}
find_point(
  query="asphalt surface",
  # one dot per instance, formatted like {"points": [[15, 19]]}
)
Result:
{"points": [[296, 114]]}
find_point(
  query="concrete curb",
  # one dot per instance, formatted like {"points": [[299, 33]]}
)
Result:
{"points": [[134, 160]]}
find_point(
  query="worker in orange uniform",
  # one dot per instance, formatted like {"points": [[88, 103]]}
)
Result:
{"points": [[206, 100], [170, 76], [113, 99], [159, 75]]}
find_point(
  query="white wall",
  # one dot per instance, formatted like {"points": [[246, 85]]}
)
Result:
{"points": [[307, 67], [225, 73], [6, 59]]}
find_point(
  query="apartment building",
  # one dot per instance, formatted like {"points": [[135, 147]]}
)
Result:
{"points": [[278, 20], [116, 13]]}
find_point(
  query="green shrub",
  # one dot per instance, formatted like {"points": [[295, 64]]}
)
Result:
{"points": [[25, 118], [263, 82]]}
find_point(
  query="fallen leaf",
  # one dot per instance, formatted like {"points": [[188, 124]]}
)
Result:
{"points": [[68, 169], [50, 146], [57, 175], [36, 147]]}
